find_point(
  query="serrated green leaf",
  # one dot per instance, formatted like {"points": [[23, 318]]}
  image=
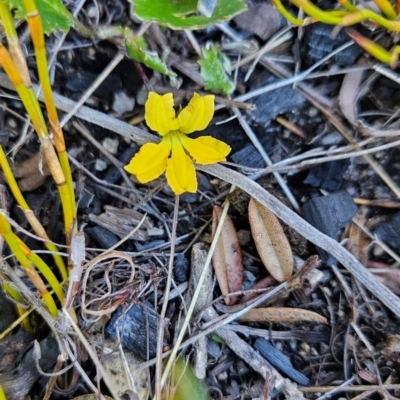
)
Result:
{"points": [[183, 14], [213, 72], [53, 13], [137, 49]]}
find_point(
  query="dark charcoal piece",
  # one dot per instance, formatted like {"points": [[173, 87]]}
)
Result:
{"points": [[19, 381], [79, 81], [329, 214], [280, 361], [389, 231], [102, 236], [328, 176], [137, 329], [318, 42], [249, 157], [7, 311], [181, 268], [89, 202], [271, 104], [113, 175]]}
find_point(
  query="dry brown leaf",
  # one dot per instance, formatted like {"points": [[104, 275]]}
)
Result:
{"points": [[33, 172], [282, 314], [227, 257], [271, 242]]}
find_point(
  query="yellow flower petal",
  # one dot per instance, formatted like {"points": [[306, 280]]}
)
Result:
{"points": [[197, 114], [160, 113], [181, 174], [205, 149], [151, 161]]}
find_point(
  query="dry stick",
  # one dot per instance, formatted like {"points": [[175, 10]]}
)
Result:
{"points": [[161, 326], [261, 195]]}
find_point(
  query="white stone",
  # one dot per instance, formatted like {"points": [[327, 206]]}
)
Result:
{"points": [[100, 165], [122, 103], [111, 145]]}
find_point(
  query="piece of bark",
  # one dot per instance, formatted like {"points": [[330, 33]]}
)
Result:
{"points": [[122, 221], [137, 328], [329, 214]]}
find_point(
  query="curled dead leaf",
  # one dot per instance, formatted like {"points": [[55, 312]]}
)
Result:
{"points": [[271, 242], [227, 257], [282, 314]]}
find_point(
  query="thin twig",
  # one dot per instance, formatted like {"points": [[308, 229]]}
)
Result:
{"points": [[161, 326]]}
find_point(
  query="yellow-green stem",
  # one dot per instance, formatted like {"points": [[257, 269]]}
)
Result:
{"points": [[15, 295], [315, 12], [386, 7], [32, 107], [2, 394], [44, 269], [12, 242], [347, 5], [30, 216], [37, 35], [13, 42]]}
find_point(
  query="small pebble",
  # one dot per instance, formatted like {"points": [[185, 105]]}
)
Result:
{"points": [[111, 145], [377, 251], [223, 376], [312, 112], [100, 165], [12, 123], [122, 103], [155, 232]]}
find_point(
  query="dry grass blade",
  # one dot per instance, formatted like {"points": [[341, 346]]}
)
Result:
{"points": [[281, 315], [271, 242], [227, 258]]}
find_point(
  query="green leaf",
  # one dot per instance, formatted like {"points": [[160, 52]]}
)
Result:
{"points": [[213, 66], [137, 49], [183, 14], [53, 13]]}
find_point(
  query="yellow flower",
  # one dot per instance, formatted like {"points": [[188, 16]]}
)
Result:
{"points": [[171, 155]]}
